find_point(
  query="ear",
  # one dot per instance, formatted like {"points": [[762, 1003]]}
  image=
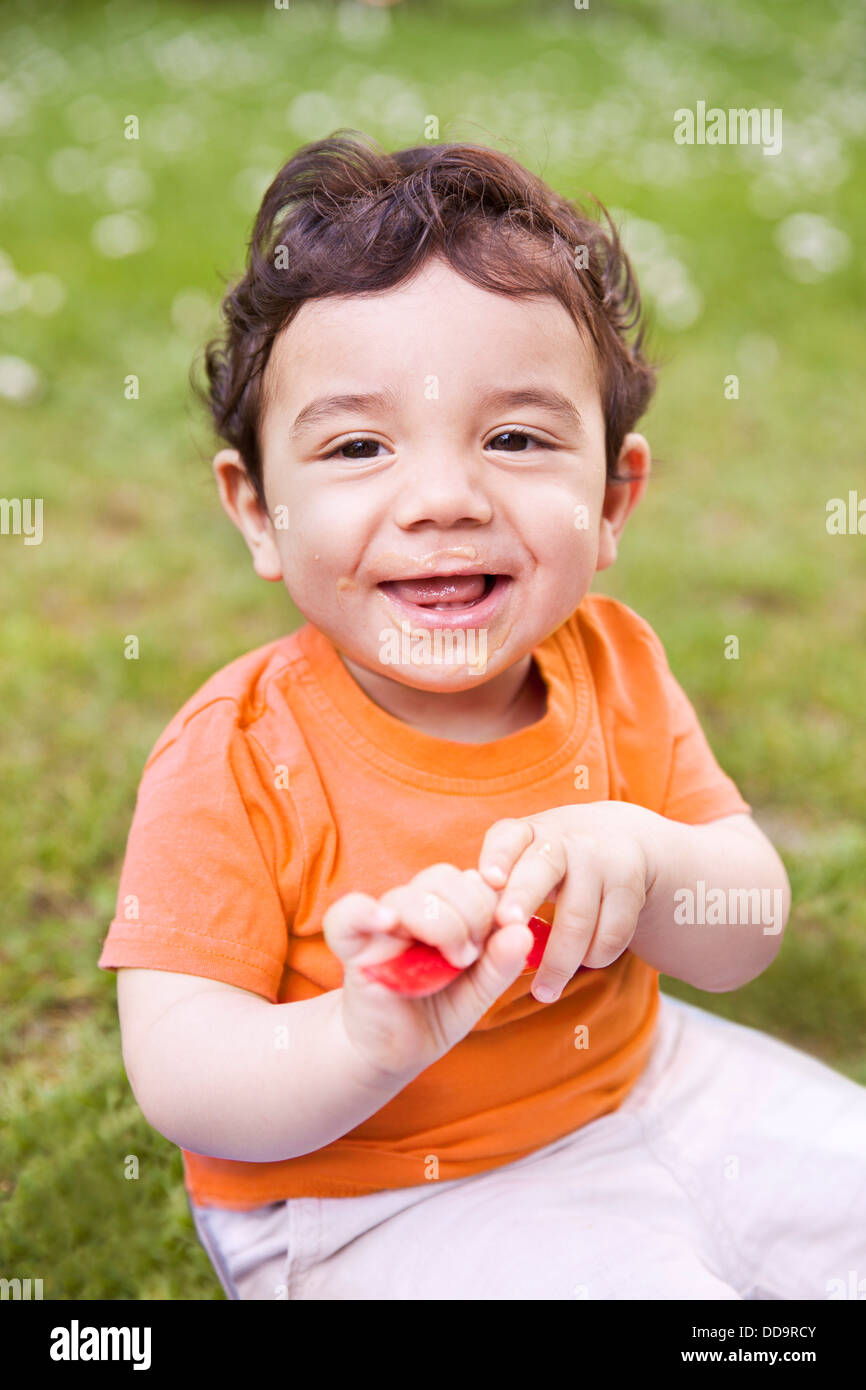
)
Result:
{"points": [[244, 508], [620, 499]]}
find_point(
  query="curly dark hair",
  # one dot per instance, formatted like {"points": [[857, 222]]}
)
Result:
{"points": [[345, 217]]}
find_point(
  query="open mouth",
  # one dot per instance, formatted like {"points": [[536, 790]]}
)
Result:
{"points": [[450, 601], [455, 593]]}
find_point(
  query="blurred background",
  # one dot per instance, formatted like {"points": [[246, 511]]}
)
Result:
{"points": [[114, 255]]}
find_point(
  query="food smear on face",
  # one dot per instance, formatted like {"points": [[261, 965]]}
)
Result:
{"points": [[429, 561]]}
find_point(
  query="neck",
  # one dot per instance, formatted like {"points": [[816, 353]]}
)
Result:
{"points": [[502, 705]]}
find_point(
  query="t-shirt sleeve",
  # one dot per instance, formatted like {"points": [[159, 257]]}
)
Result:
{"points": [[200, 890], [697, 789]]}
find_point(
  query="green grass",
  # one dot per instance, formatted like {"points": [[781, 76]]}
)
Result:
{"points": [[731, 538]]}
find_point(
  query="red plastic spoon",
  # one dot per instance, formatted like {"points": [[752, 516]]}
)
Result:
{"points": [[422, 969]]}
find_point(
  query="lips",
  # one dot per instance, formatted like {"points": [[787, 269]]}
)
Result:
{"points": [[477, 613], [433, 591]]}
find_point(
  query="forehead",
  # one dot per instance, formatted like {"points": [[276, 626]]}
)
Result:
{"points": [[437, 323]]}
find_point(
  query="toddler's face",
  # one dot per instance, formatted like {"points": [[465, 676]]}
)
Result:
{"points": [[433, 428]]}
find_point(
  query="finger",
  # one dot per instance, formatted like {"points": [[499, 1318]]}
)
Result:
{"points": [[539, 869], [621, 906], [424, 906], [466, 891], [475, 900], [574, 921], [475, 990], [350, 923], [380, 948], [503, 844]]}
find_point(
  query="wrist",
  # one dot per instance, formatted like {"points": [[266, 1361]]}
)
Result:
{"points": [[656, 843], [652, 834], [367, 1072], [666, 856]]}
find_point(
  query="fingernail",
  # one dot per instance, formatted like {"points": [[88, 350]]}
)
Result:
{"points": [[467, 955], [545, 994], [495, 875], [511, 912]]}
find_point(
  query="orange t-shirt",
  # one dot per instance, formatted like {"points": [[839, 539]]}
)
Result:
{"points": [[280, 786]]}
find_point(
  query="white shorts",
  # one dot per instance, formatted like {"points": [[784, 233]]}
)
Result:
{"points": [[735, 1168]]}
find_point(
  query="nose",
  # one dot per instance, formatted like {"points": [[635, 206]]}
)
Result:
{"points": [[441, 490]]}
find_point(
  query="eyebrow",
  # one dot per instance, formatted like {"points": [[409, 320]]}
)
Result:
{"points": [[542, 397], [323, 406]]}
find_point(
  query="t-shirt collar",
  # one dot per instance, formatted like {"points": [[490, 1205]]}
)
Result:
{"points": [[380, 735]]}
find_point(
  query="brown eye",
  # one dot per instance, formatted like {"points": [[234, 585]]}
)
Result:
{"points": [[518, 440], [356, 444]]}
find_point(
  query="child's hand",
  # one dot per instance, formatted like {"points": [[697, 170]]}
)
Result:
{"points": [[597, 862], [446, 907]]}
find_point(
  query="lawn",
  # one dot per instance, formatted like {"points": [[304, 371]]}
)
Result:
{"points": [[113, 257]]}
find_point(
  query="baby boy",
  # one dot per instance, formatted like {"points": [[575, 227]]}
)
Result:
{"points": [[429, 384]]}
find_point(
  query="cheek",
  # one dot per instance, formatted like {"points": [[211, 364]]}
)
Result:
{"points": [[563, 527], [572, 559], [567, 546], [318, 550], [309, 530]]}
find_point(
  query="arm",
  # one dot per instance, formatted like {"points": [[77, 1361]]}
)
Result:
{"points": [[732, 855], [222, 1072], [704, 903]]}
